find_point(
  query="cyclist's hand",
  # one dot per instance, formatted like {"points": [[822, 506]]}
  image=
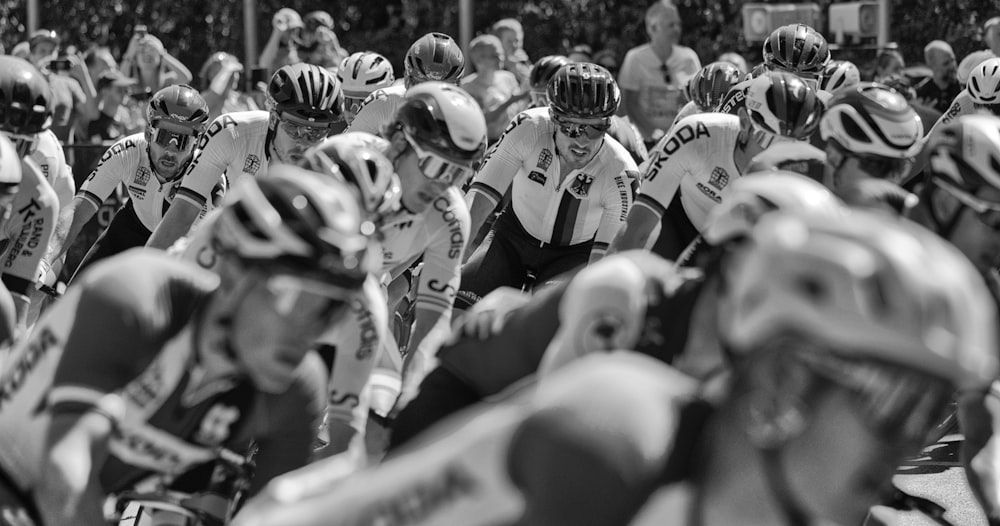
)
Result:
{"points": [[486, 318]]}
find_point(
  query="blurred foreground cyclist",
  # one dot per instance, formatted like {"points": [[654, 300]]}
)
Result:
{"points": [[147, 364], [625, 439]]}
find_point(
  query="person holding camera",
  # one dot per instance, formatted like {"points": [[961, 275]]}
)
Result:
{"points": [[282, 46], [149, 63], [73, 95]]}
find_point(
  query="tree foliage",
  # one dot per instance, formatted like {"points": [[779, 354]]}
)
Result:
{"points": [[192, 29]]}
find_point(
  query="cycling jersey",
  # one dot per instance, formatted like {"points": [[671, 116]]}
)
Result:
{"points": [[122, 343], [49, 156], [25, 235], [590, 203], [694, 162], [962, 105], [795, 156], [687, 110], [235, 145], [349, 347], [592, 442], [127, 163], [439, 234], [378, 108], [735, 99]]}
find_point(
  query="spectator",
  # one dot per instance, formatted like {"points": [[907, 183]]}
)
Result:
{"points": [[73, 95], [495, 89], [112, 122], [991, 37], [280, 49], [735, 59], [941, 87], [516, 61], [888, 63], [654, 74], [220, 85], [99, 59], [607, 59], [581, 53], [149, 63], [319, 44]]}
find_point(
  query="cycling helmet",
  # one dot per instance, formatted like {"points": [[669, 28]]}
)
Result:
{"points": [[25, 97], [212, 66], [434, 56], [984, 83], [796, 48], [299, 220], [756, 194], [445, 120], [871, 120], [544, 69], [364, 72], [782, 104], [178, 108], [839, 74], [10, 163], [584, 91], [306, 93], [757, 71], [866, 287], [357, 159], [710, 84], [965, 154]]}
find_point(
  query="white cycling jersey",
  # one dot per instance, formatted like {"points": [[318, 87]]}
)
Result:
{"points": [[696, 160], [235, 145], [25, 235], [127, 163], [378, 108], [50, 157], [962, 105]]}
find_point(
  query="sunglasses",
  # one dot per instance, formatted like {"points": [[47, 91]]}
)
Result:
{"points": [[667, 77], [353, 104], [896, 404], [302, 132], [438, 168], [25, 144], [574, 129], [305, 299], [172, 139]]}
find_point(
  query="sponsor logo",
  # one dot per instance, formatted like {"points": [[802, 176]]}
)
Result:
{"points": [[141, 177], [418, 501], [719, 178], [537, 177], [581, 185], [709, 192], [252, 164], [215, 426], [545, 159], [137, 192], [366, 326], [623, 194], [30, 236], [348, 400], [682, 136], [18, 372], [455, 237]]}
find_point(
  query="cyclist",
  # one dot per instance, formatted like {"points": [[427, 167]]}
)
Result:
{"points": [[871, 133], [795, 48], [982, 92], [304, 102], [360, 74], [434, 56], [25, 113], [960, 200], [689, 170], [571, 185], [838, 74], [149, 165], [706, 88], [503, 338], [147, 364], [624, 439], [10, 182]]}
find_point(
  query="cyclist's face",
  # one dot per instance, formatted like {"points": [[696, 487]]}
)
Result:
{"points": [[351, 107], [577, 140], [291, 140], [169, 160], [418, 191]]}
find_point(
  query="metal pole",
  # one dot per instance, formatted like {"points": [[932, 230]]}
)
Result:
{"points": [[250, 33], [33, 21], [883, 23], [464, 23]]}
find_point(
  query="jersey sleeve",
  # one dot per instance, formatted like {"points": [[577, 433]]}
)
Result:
{"points": [[505, 159], [448, 221], [34, 214], [602, 310], [215, 151], [616, 203], [962, 105], [666, 168], [109, 173], [375, 111]]}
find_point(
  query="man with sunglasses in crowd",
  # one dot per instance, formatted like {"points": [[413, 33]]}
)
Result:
{"points": [[653, 75], [304, 102], [571, 185], [149, 165]]}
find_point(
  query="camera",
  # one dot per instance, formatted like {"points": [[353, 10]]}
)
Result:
{"points": [[60, 64], [141, 31]]}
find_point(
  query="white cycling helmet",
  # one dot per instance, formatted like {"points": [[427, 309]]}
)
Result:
{"points": [[838, 74], [756, 194], [445, 120], [868, 287], [984, 83], [10, 163], [872, 120], [358, 160], [364, 72]]}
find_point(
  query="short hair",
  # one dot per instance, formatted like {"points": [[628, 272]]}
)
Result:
{"points": [[509, 24], [937, 45], [658, 9], [487, 41], [885, 57]]}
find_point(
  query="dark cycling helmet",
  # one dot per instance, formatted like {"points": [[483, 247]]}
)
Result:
{"points": [[434, 56], [308, 93], [544, 69], [358, 159], [25, 97], [710, 84], [181, 106], [299, 220], [872, 120], [446, 120], [584, 91], [839, 74], [796, 48], [783, 104]]}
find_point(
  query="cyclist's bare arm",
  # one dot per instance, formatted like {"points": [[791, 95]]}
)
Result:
{"points": [[72, 219], [176, 223]]}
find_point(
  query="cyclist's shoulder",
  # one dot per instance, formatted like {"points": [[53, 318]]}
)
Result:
{"points": [[238, 123], [448, 208], [128, 148], [385, 95]]}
